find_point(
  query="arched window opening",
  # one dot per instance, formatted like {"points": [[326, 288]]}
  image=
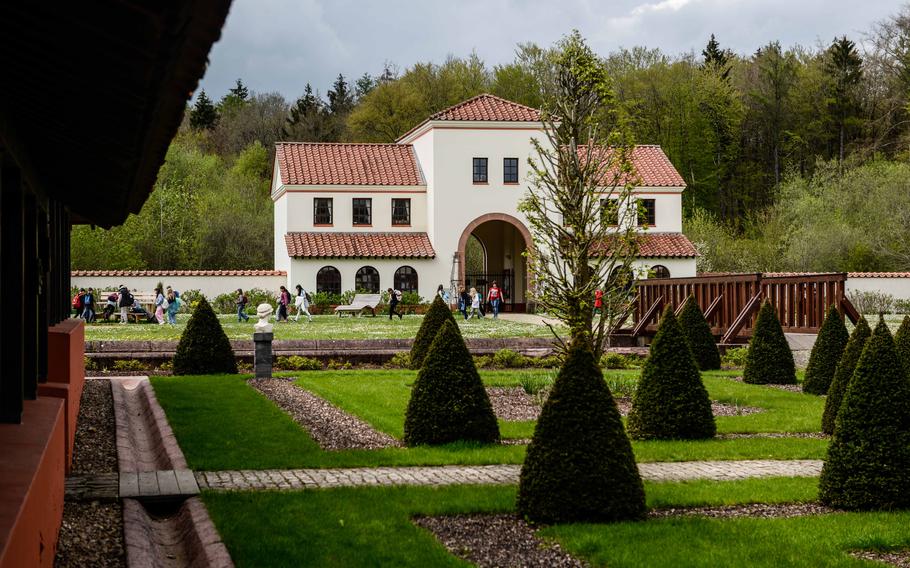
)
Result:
{"points": [[367, 280], [659, 271], [328, 279], [406, 279]]}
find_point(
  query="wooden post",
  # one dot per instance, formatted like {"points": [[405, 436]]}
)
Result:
{"points": [[12, 267]]}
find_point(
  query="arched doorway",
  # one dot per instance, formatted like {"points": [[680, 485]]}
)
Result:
{"points": [[491, 249]]}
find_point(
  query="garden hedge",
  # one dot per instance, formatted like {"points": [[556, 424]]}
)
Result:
{"points": [[698, 335], [868, 462], [449, 402], [580, 466], [769, 360], [902, 341], [204, 348], [826, 353], [438, 314], [844, 373], [671, 402]]}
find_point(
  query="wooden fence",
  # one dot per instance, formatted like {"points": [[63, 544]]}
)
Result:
{"points": [[730, 302]]}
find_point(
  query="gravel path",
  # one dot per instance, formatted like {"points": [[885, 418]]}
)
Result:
{"points": [[91, 535], [331, 427], [788, 388], [740, 435], [899, 558], [496, 540], [95, 448], [752, 510], [513, 403]]}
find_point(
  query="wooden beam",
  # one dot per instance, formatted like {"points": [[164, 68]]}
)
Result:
{"points": [[12, 266], [715, 304], [625, 315], [643, 322], [849, 310], [741, 319]]}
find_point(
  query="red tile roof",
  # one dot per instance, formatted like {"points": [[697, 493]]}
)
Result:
{"points": [[157, 273], [662, 245], [488, 107], [878, 275], [360, 245], [309, 163], [653, 167]]}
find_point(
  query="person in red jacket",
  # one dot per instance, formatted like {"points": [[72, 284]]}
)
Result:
{"points": [[598, 301], [78, 303], [494, 296]]}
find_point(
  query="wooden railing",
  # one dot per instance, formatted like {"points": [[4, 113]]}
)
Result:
{"points": [[730, 302]]}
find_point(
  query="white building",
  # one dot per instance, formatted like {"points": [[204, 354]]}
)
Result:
{"points": [[403, 215]]}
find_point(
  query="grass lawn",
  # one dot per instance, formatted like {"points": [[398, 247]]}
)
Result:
{"points": [[221, 423], [322, 327], [372, 527]]}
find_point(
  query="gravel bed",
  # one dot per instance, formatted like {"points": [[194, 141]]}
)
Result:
{"points": [[810, 435], [718, 408], [331, 427], [513, 403], [496, 540], [91, 535], [95, 449], [752, 510], [899, 558], [788, 388]]}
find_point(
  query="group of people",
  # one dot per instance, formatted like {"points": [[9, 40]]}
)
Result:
{"points": [[84, 304], [473, 301], [301, 304], [167, 302]]}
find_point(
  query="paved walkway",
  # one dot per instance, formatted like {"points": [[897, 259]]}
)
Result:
{"points": [[295, 479]]}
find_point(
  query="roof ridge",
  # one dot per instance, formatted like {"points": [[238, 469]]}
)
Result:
{"points": [[475, 97], [293, 143]]}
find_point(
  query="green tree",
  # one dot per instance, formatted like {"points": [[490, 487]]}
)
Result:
{"points": [[826, 353], [438, 314], [717, 58], [769, 360], [204, 116], [670, 402], [449, 402], [902, 341], [845, 67], [844, 373], [307, 120], [363, 86], [774, 78], [580, 466], [868, 461], [204, 348], [698, 335], [236, 97]]}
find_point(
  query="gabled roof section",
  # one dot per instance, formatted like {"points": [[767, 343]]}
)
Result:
{"points": [[311, 163], [653, 167], [482, 108], [358, 245]]}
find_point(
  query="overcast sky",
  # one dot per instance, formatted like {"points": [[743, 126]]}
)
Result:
{"points": [[280, 45]]}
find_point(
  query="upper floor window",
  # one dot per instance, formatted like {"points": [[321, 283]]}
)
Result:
{"points": [[322, 211], [510, 170], [480, 170], [401, 211], [609, 209], [363, 211], [647, 213]]}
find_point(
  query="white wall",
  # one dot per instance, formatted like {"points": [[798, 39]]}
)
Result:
{"points": [[898, 287], [678, 267], [211, 286], [303, 272], [299, 209]]}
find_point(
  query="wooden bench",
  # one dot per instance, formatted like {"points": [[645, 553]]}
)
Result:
{"points": [[360, 303]]}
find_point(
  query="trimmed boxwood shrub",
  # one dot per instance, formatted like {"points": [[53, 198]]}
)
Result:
{"points": [[448, 402], [868, 462], [671, 402], [769, 360], [844, 373], [902, 341], [698, 335], [438, 314], [580, 466], [204, 348], [826, 353]]}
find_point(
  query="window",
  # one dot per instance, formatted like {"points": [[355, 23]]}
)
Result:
{"points": [[367, 279], [609, 209], [363, 211], [647, 213], [480, 170], [322, 211], [401, 212], [406, 279], [510, 170], [660, 271], [328, 279]]}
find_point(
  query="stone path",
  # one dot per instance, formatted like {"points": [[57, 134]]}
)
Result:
{"points": [[296, 479]]}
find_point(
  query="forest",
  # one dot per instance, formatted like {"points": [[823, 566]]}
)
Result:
{"points": [[795, 157]]}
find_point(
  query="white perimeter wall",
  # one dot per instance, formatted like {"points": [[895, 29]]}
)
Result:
{"points": [[211, 286], [897, 287]]}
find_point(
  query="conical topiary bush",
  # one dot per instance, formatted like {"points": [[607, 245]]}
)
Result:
{"points": [[449, 402], [580, 466], [438, 313], [671, 402], [868, 462], [844, 373], [769, 360], [826, 353], [204, 348], [902, 341], [698, 334]]}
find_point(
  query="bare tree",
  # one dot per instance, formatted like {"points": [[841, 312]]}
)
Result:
{"points": [[580, 205]]}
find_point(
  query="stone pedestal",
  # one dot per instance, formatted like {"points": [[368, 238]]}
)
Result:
{"points": [[262, 355]]}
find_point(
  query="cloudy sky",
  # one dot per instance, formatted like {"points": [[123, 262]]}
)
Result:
{"points": [[280, 45]]}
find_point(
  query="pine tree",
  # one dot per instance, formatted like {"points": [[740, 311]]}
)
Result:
{"points": [[717, 58], [307, 121], [437, 315], [671, 402], [699, 337], [868, 462], [341, 100], [236, 98], [902, 340], [364, 86], [844, 373], [449, 402], [204, 348], [239, 91], [845, 67], [769, 360], [580, 466], [204, 116], [826, 353]]}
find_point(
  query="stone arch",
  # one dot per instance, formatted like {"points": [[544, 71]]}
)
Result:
{"points": [[514, 221]]}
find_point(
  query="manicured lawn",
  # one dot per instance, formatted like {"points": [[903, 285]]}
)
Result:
{"points": [[372, 527], [322, 327], [221, 423]]}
